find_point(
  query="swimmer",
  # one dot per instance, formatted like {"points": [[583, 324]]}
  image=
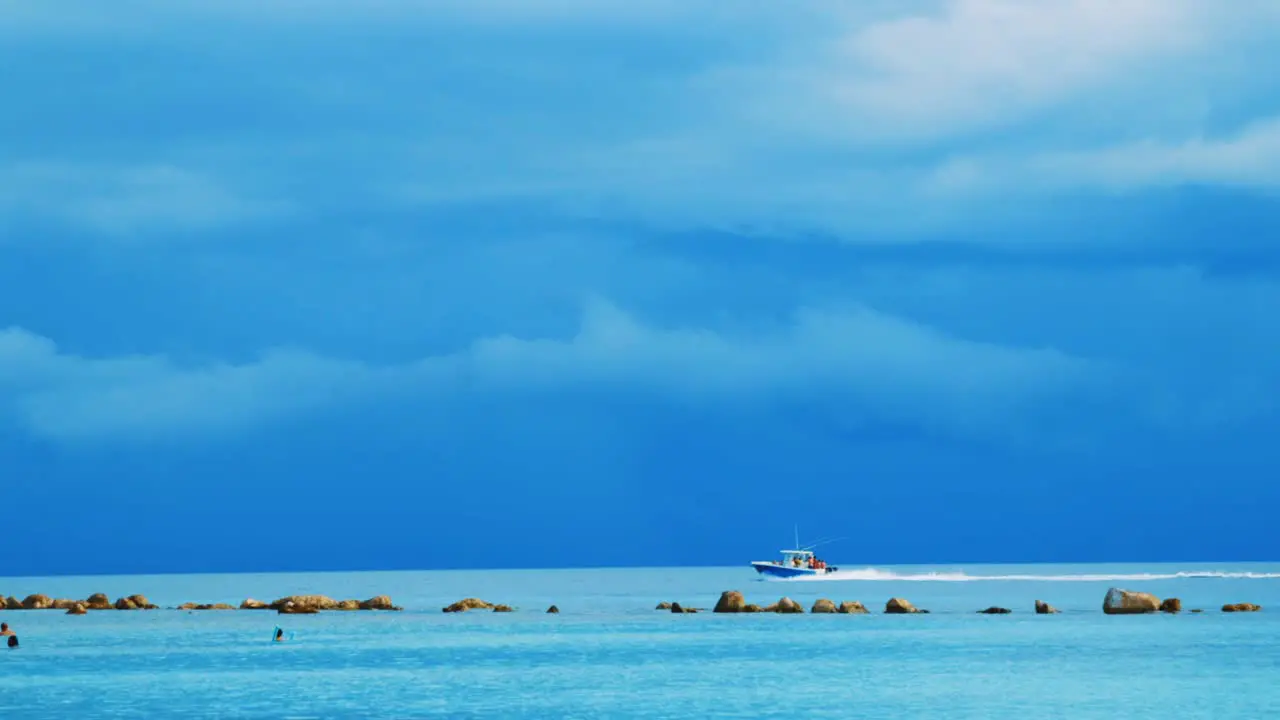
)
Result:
{"points": [[5, 631], [279, 635], [13, 642]]}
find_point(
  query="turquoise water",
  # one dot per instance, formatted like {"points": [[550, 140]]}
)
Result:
{"points": [[610, 655]]}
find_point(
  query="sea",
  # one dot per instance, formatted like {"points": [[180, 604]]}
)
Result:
{"points": [[610, 654]]}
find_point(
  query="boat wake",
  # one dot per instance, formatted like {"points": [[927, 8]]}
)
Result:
{"points": [[872, 574]]}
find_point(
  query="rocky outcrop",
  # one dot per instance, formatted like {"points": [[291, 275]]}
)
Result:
{"points": [[1126, 602], [348, 605], [502, 608], [1171, 605], [98, 601], [663, 606], [823, 606], [553, 610], [206, 606], [1241, 607], [296, 609], [852, 607], [752, 608], [995, 611], [12, 603], [319, 602], [1044, 608], [37, 602], [900, 606], [468, 604], [65, 604], [731, 601], [379, 602], [78, 609], [251, 604], [125, 604], [786, 606]]}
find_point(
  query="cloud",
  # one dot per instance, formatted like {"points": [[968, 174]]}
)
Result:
{"points": [[860, 362], [125, 201]]}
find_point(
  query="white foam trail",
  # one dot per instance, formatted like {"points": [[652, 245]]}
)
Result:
{"points": [[872, 574]]}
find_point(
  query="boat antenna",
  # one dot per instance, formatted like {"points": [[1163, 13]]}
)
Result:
{"points": [[823, 542], [797, 545]]}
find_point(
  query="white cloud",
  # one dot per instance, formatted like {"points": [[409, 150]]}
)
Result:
{"points": [[1249, 159], [125, 201], [864, 363]]}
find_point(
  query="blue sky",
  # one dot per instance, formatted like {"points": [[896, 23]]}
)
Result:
{"points": [[403, 284]]}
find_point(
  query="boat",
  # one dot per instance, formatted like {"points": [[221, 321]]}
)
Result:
{"points": [[800, 562]]}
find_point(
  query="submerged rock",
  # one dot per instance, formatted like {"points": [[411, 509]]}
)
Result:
{"points": [[823, 606], [731, 601], [1126, 602], [77, 609], [502, 608], [995, 611], [900, 606], [852, 607], [37, 602], [1241, 607], [206, 606], [1171, 605], [553, 610], [468, 604], [1044, 608]]}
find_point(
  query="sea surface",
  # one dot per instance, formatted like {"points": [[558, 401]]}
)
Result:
{"points": [[609, 654]]}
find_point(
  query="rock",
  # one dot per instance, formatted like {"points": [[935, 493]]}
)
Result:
{"points": [[676, 608], [98, 601], [1125, 602], [995, 611], [37, 602], [187, 606], [823, 606], [349, 605], [663, 606], [1044, 608], [65, 604], [852, 608], [731, 601], [1171, 605], [125, 604], [12, 603], [77, 609], [553, 610], [1241, 607], [206, 606], [251, 604], [502, 608], [786, 606], [296, 609], [142, 602], [750, 608], [1197, 610], [900, 606], [380, 602], [319, 602], [468, 604]]}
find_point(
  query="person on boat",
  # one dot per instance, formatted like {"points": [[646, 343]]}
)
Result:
{"points": [[795, 561], [279, 635], [5, 631]]}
